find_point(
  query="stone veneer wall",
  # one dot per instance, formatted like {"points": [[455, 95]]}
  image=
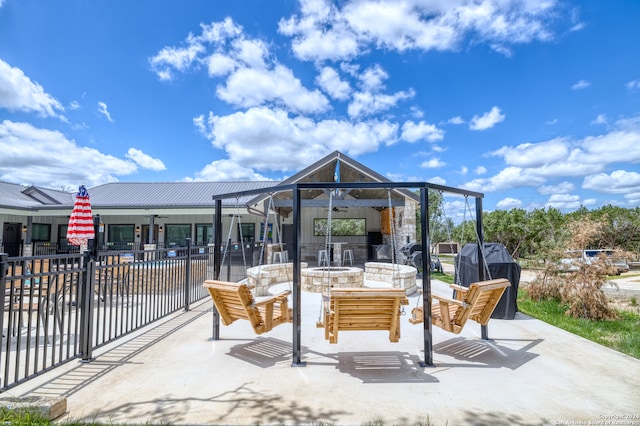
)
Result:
{"points": [[404, 275], [264, 276], [315, 279]]}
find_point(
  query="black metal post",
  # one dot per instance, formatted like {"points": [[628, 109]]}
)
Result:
{"points": [[86, 307], [484, 330], [217, 238], [297, 299], [426, 278], [187, 280], [4, 264]]}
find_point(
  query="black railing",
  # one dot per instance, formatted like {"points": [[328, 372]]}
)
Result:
{"points": [[61, 307]]}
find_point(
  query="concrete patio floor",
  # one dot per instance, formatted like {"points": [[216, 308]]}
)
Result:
{"points": [[530, 373]]}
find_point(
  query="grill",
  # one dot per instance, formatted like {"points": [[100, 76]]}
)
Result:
{"points": [[409, 248]]}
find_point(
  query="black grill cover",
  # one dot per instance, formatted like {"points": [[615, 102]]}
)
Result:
{"points": [[500, 264]]}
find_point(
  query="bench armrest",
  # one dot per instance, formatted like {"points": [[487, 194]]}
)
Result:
{"points": [[280, 297], [457, 287], [447, 300]]}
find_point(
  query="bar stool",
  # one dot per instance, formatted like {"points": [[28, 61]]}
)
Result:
{"points": [[322, 254], [348, 253], [281, 256]]}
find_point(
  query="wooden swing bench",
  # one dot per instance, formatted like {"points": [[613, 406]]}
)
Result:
{"points": [[351, 309], [476, 303], [234, 301]]}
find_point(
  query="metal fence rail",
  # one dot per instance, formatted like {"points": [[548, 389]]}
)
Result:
{"points": [[60, 307]]}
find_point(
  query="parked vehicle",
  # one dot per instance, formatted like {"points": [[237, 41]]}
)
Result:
{"points": [[610, 257], [574, 258]]}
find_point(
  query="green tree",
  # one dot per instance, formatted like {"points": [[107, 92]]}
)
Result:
{"points": [[508, 227]]}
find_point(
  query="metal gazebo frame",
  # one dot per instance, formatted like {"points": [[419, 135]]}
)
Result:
{"points": [[296, 257]]}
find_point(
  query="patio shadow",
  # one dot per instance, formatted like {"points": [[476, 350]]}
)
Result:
{"points": [[263, 351], [499, 353], [382, 367]]}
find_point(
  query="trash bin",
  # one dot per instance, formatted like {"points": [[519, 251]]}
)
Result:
{"points": [[500, 265]]}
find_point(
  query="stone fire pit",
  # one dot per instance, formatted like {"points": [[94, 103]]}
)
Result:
{"points": [[316, 279]]}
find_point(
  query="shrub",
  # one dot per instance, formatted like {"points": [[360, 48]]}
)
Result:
{"points": [[580, 290]]}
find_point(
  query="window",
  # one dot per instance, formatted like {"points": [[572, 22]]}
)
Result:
{"points": [[41, 232], [204, 234], [176, 235], [121, 237], [340, 227], [248, 231], [121, 233]]}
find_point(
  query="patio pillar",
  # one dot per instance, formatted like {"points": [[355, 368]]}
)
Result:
{"points": [[297, 297], [426, 279]]}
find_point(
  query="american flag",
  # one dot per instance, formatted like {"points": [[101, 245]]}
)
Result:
{"points": [[81, 221]]}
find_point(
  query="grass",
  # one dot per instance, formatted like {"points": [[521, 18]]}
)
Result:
{"points": [[622, 334], [447, 278]]}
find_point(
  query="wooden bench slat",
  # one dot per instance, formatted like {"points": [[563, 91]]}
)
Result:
{"points": [[364, 309], [479, 302], [234, 301]]}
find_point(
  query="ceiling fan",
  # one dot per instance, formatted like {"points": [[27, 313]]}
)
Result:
{"points": [[337, 210]]}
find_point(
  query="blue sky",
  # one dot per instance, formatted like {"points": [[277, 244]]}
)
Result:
{"points": [[535, 103]]}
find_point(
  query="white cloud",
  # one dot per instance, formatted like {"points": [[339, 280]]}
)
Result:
{"points": [[412, 132], [633, 85], [226, 170], [464, 170], [171, 59], [219, 65], [372, 79], [267, 139], [561, 188], [633, 198], [248, 87], [509, 203], [618, 182], [322, 31], [252, 76], [416, 112], [74, 105], [178, 59], [47, 158], [551, 122], [455, 120], [252, 53], [582, 84], [433, 163], [510, 177], [19, 93], [532, 164], [534, 154], [145, 161], [487, 120], [437, 180], [600, 119], [329, 80], [564, 202], [480, 170], [102, 109], [367, 103]]}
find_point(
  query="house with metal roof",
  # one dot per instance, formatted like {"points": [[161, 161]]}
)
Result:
{"points": [[163, 214]]}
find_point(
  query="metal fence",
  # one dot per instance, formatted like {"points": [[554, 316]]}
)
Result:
{"points": [[58, 308]]}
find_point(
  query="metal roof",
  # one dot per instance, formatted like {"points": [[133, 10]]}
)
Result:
{"points": [[168, 194], [14, 196], [121, 195]]}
